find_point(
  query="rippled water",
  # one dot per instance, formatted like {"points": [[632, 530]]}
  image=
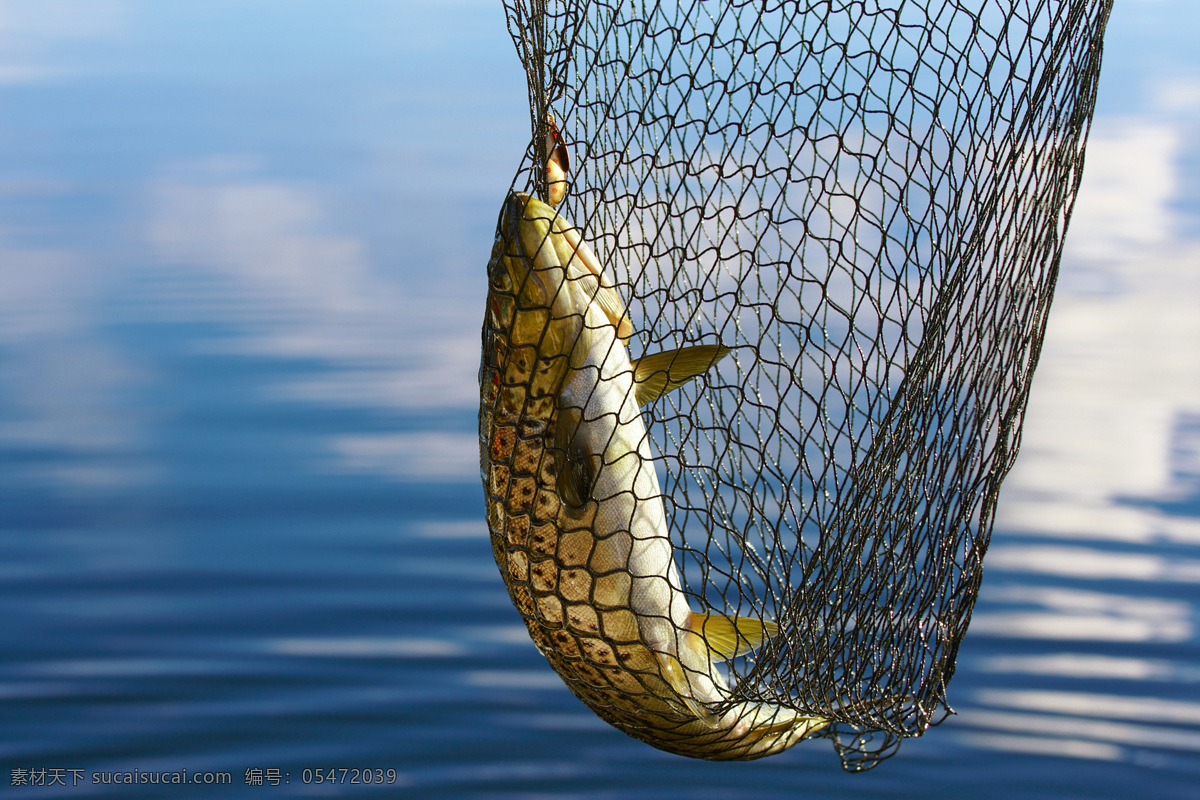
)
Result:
{"points": [[241, 249]]}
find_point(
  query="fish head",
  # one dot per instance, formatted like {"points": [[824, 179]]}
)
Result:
{"points": [[514, 269], [528, 292], [535, 307], [541, 261]]}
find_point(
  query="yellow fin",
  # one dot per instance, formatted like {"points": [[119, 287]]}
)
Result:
{"points": [[805, 726], [674, 674], [581, 260], [655, 375], [614, 309], [729, 637], [576, 249], [811, 724]]}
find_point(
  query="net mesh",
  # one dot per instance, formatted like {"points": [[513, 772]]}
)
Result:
{"points": [[866, 202]]}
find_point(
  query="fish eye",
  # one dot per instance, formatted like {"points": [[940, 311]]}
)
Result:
{"points": [[498, 273]]}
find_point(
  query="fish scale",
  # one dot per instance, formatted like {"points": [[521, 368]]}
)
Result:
{"points": [[601, 602]]}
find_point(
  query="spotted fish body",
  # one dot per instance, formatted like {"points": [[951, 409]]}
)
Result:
{"points": [[574, 509]]}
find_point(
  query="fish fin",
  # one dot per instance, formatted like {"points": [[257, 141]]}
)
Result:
{"points": [[575, 474], [614, 309], [730, 637], [806, 726], [813, 724], [673, 672], [655, 375], [581, 260]]}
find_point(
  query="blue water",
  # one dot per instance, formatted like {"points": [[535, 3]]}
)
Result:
{"points": [[241, 252]]}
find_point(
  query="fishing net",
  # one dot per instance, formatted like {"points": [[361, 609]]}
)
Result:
{"points": [[866, 202]]}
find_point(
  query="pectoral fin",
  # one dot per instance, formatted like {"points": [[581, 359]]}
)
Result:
{"points": [[576, 470], [614, 310], [729, 637], [581, 260], [655, 375]]}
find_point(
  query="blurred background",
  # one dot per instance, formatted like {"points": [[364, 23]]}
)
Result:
{"points": [[241, 281]]}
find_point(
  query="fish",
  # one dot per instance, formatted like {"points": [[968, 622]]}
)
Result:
{"points": [[575, 513]]}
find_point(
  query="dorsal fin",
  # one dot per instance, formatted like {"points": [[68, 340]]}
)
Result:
{"points": [[656, 374]]}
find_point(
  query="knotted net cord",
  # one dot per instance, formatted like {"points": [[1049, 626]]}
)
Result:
{"points": [[867, 202]]}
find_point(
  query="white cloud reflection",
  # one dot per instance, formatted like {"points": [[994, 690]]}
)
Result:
{"points": [[1124, 203], [1103, 448], [361, 647], [32, 31], [1068, 729], [1092, 665], [452, 529], [1119, 368], [1043, 745], [1086, 562], [257, 256], [410, 455], [301, 290], [542, 679], [1178, 94], [64, 386], [1087, 704], [457, 642], [297, 289], [1075, 615]]}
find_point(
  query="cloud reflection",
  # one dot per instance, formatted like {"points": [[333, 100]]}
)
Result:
{"points": [[1044, 746], [1117, 386], [368, 648], [1090, 665], [1074, 729], [452, 529], [64, 384], [1086, 562], [1072, 615], [514, 679], [262, 259], [33, 33], [1118, 371], [411, 456], [1088, 704], [302, 290], [296, 288]]}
